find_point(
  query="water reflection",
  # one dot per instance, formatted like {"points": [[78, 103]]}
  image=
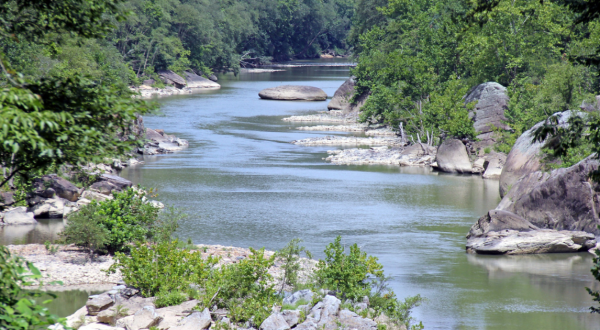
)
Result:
{"points": [[44, 230]]}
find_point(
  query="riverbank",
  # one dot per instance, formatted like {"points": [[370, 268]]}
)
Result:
{"points": [[74, 267]]}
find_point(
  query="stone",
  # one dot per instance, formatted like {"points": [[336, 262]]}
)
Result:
{"points": [[108, 316], [525, 155], [148, 82], [389, 324], [7, 198], [495, 163], [107, 183], [195, 321], [75, 318], [99, 303], [171, 78], [564, 199], [275, 321], [491, 102], [50, 185], [297, 296], [498, 220], [306, 325], [293, 93], [315, 312], [89, 195], [351, 320], [291, 317], [18, 216], [213, 78], [133, 304], [98, 326], [196, 81], [452, 157], [172, 315], [478, 166], [142, 319], [535, 241], [50, 208], [359, 307], [331, 308], [342, 96]]}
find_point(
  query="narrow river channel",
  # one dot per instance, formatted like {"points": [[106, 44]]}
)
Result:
{"points": [[244, 184]]}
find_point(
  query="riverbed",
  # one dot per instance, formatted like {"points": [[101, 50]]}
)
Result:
{"points": [[244, 184]]}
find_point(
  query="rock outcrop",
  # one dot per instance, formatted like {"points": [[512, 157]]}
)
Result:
{"points": [[17, 216], [293, 93], [108, 183], [161, 143], [525, 155], [494, 163], [543, 212], [491, 102], [196, 81], [343, 95], [52, 185], [171, 78], [452, 157]]}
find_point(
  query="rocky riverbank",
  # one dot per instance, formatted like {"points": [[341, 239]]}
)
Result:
{"points": [[175, 85]]}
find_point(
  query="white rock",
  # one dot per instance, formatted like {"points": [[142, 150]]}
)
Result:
{"points": [[18, 216], [275, 321]]}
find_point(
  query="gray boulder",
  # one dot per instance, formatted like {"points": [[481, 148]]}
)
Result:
{"points": [[342, 96], [195, 321], [291, 317], [452, 157], [306, 325], [491, 102], [525, 155], [142, 319], [330, 310], [351, 320], [18, 216], [535, 241], [51, 208], [52, 185], [305, 295], [293, 93], [494, 165], [7, 198], [99, 303], [107, 183], [196, 81], [275, 321], [171, 78]]}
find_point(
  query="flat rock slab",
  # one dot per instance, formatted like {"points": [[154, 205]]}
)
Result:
{"points": [[293, 93], [535, 241]]}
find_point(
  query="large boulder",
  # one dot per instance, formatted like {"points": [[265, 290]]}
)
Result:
{"points": [[452, 157], [17, 216], [7, 198], [107, 183], [491, 102], [275, 321], [343, 95], [195, 321], [52, 185], [525, 155], [196, 81], [171, 78], [51, 208], [494, 163], [293, 93]]}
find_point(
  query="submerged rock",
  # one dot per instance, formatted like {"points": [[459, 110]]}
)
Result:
{"points": [[293, 93]]}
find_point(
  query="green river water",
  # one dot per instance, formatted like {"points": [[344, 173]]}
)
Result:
{"points": [[244, 184]]}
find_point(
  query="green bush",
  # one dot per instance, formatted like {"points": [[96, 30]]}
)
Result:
{"points": [[114, 224], [290, 256], [246, 289], [160, 268], [19, 308]]}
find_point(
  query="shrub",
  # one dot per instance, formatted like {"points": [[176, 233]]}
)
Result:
{"points": [[290, 256], [158, 269], [18, 307], [246, 289], [114, 224]]}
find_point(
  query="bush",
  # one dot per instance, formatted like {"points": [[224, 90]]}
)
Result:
{"points": [[114, 224], [18, 308], [290, 256], [162, 268], [246, 289]]}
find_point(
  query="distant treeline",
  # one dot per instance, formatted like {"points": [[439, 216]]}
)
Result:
{"points": [[203, 35]]}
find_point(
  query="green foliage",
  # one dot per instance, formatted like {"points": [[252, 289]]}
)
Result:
{"points": [[290, 256], [596, 272], [114, 224], [19, 309], [170, 298], [245, 289], [163, 268], [348, 273]]}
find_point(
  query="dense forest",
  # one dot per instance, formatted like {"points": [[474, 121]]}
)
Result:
{"points": [[202, 35]]}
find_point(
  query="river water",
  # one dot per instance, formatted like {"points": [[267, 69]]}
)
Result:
{"points": [[244, 184]]}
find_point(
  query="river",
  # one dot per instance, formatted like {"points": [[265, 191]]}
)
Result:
{"points": [[244, 184]]}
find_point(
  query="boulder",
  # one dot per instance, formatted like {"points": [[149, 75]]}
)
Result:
{"points": [[107, 183], [330, 310], [195, 321], [171, 78], [495, 163], [535, 241], [351, 320], [213, 78], [491, 102], [98, 326], [7, 198], [306, 325], [525, 155], [275, 321], [51, 208], [196, 81], [452, 157], [142, 319], [162, 143], [498, 220], [89, 195], [50, 185], [99, 303], [172, 315], [18, 216], [564, 199], [291, 317], [305, 295], [293, 93], [342, 96]]}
